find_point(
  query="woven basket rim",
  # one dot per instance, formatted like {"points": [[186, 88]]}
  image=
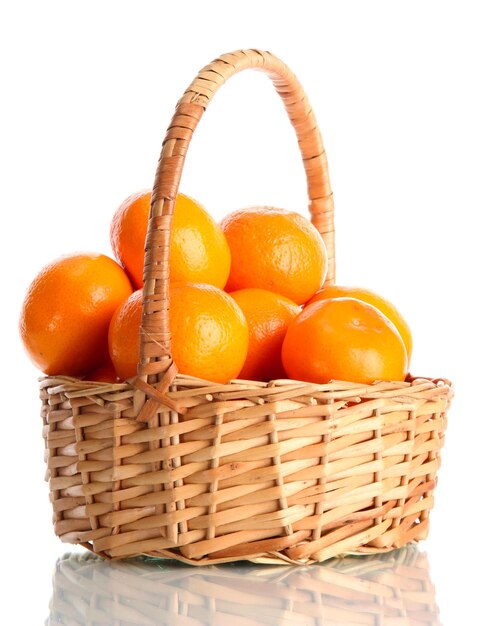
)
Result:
{"points": [[69, 384]]}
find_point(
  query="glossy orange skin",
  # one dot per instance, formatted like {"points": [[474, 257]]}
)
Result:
{"points": [[198, 248], [276, 250], [67, 310], [383, 305], [343, 339], [123, 336], [268, 316], [209, 333]]}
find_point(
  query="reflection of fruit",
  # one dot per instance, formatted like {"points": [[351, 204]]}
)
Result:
{"points": [[343, 339], [104, 374], [209, 333], [198, 248], [268, 315], [67, 310], [386, 307], [276, 250]]}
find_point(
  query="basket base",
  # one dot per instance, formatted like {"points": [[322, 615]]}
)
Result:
{"points": [[285, 471]]}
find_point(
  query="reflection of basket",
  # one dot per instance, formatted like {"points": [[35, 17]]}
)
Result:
{"points": [[172, 466], [388, 589]]}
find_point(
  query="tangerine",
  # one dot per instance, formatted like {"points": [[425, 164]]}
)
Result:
{"points": [[276, 250], [198, 248], [268, 315], [383, 305], [67, 310], [123, 336], [343, 339], [209, 333]]}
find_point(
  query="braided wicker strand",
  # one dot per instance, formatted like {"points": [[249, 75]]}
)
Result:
{"points": [[155, 334]]}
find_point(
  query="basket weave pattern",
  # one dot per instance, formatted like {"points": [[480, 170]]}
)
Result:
{"points": [[173, 466]]}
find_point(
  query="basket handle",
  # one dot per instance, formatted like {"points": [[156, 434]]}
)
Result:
{"points": [[155, 358]]}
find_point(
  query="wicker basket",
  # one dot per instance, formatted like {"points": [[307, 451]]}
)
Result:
{"points": [[388, 589], [173, 466]]}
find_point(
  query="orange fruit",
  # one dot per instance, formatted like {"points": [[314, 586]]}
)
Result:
{"points": [[343, 339], [104, 374], [209, 333], [277, 250], [268, 315], [123, 336], [67, 310], [198, 248], [386, 307]]}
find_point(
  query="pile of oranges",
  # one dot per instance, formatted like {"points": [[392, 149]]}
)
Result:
{"points": [[246, 301]]}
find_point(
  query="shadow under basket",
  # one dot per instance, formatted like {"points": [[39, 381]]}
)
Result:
{"points": [[172, 466]]}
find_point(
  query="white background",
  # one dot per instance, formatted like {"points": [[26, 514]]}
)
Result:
{"points": [[403, 93]]}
